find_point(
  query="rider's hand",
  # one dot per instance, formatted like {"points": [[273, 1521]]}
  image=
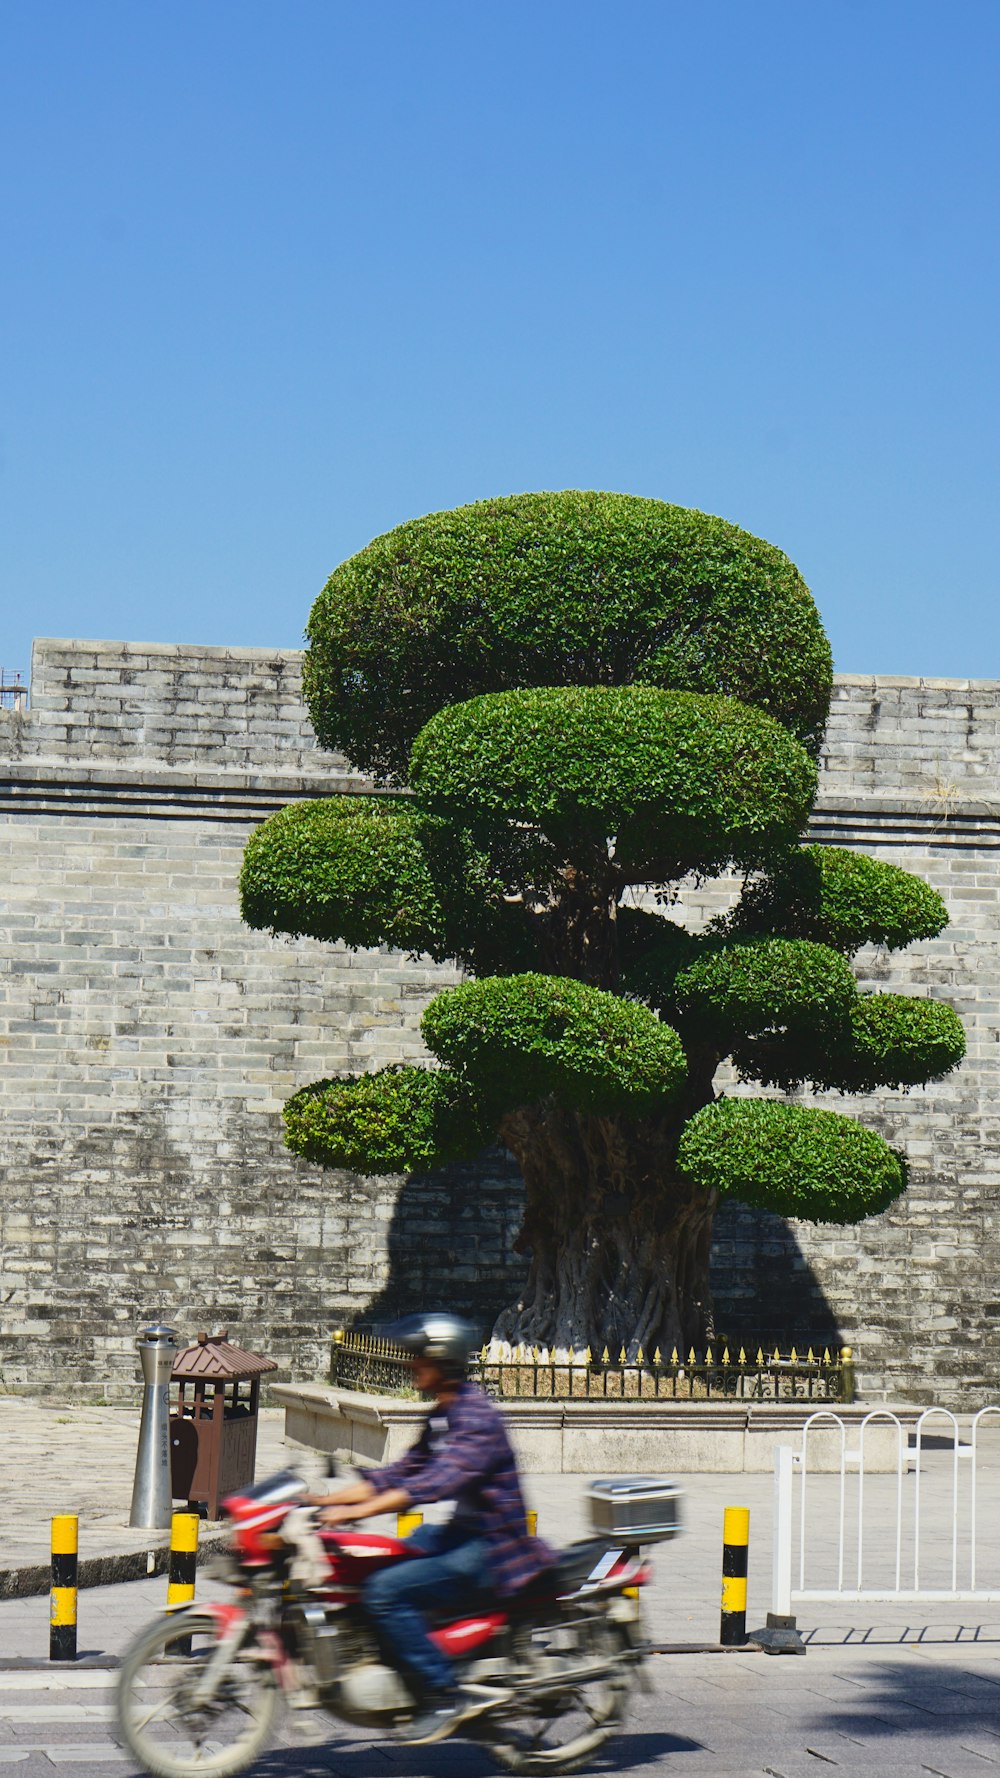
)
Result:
{"points": [[337, 1515]]}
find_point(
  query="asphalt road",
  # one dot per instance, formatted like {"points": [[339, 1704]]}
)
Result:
{"points": [[855, 1712]]}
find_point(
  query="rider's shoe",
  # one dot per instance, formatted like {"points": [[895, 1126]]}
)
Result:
{"points": [[442, 1715]]}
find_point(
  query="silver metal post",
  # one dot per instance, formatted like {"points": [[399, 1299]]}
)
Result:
{"points": [[152, 1502]]}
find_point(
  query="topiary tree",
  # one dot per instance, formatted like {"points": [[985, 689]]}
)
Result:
{"points": [[590, 697]]}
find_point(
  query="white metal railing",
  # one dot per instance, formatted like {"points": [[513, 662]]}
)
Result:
{"points": [[929, 1519]]}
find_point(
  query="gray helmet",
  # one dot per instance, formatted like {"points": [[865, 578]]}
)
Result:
{"points": [[444, 1339]]}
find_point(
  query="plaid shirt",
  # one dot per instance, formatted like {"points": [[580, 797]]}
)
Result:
{"points": [[471, 1462]]}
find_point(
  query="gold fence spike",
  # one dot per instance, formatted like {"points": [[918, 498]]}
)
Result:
{"points": [[743, 1355], [657, 1359], [536, 1355], [826, 1354], [639, 1355], [760, 1356], [675, 1356], [793, 1357], [605, 1356], [571, 1356], [708, 1355], [588, 1357], [725, 1354], [691, 1357], [809, 1356], [623, 1356], [776, 1358]]}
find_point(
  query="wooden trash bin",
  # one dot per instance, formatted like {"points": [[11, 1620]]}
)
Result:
{"points": [[213, 1423]]}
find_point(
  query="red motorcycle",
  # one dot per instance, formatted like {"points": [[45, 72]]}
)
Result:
{"points": [[200, 1689]]}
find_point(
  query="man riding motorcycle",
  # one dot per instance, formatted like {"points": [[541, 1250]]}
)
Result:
{"points": [[462, 1454]]}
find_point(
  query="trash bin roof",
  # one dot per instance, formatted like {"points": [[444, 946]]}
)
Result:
{"points": [[215, 1360]]}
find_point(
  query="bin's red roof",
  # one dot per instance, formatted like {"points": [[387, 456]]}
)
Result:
{"points": [[216, 1360]]}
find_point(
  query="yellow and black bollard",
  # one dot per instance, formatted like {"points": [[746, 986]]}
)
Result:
{"points": [[735, 1546], [183, 1566], [62, 1599], [407, 1522]]}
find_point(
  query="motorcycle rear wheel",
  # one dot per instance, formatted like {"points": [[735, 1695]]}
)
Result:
{"points": [[164, 1730], [557, 1730]]}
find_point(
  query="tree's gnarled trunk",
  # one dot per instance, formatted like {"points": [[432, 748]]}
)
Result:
{"points": [[619, 1244]]}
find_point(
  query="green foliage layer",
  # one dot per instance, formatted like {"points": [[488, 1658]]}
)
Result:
{"points": [[843, 899], [520, 1038], [653, 951], [349, 868], [401, 1120], [369, 871], [682, 782], [557, 589], [890, 1040], [768, 984], [791, 1160]]}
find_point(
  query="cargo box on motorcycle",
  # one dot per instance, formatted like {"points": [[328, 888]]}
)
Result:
{"points": [[636, 1509]]}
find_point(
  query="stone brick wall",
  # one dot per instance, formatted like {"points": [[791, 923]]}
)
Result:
{"points": [[148, 1040]]}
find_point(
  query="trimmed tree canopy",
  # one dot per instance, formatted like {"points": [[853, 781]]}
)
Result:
{"points": [[372, 871], [792, 1160], [520, 1038], [401, 1120], [557, 589], [844, 899], [348, 867], [888, 1040], [772, 984], [680, 782], [587, 693]]}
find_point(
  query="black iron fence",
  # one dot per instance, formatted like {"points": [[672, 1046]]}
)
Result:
{"points": [[372, 1363]]}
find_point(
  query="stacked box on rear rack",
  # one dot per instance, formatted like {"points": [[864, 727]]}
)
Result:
{"points": [[638, 1509]]}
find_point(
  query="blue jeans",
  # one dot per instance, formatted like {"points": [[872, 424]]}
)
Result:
{"points": [[448, 1575]]}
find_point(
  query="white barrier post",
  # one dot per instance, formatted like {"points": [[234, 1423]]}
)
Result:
{"points": [[781, 1587], [780, 1637]]}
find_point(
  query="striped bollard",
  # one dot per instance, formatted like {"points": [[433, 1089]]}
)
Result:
{"points": [[183, 1566], [735, 1545], [62, 1599], [407, 1522]]}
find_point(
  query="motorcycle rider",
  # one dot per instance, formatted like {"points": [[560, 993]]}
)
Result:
{"points": [[463, 1454]]}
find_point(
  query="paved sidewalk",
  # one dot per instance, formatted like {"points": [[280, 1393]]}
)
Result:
{"points": [[60, 1458]]}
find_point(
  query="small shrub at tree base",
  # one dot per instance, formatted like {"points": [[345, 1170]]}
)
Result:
{"points": [[790, 1159]]}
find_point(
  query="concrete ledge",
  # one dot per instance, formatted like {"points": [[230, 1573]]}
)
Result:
{"points": [[596, 1437]]}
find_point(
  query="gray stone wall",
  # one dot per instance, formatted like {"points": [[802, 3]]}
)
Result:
{"points": [[148, 1040]]}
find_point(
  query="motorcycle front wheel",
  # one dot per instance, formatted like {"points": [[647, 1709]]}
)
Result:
{"points": [[561, 1721], [162, 1722]]}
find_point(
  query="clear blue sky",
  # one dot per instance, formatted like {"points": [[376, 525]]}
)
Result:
{"points": [[278, 276]]}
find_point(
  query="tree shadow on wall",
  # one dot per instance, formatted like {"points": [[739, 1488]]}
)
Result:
{"points": [[451, 1242], [766, 1292], [451, 1245]]}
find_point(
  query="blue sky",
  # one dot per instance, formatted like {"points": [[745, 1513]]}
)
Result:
{"points": [[276, 277]]}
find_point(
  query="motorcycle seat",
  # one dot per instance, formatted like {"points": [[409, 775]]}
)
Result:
{"points": [[576, 1563], [573, 1567]]}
